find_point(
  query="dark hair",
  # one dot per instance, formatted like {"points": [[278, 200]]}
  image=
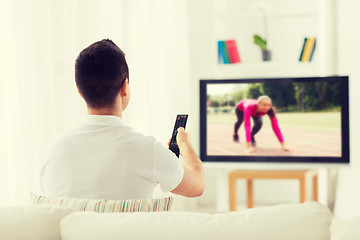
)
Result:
{"points": [[100, 71]]}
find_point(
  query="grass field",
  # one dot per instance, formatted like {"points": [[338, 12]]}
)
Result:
{"points": [[320, 121]]}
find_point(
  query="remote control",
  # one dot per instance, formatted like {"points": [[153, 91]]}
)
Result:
{"points": [[180, 122]]}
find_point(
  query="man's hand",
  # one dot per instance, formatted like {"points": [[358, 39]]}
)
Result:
{"points": [[183, 140], [182, 135]]}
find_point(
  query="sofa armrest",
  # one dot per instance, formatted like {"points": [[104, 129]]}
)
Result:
{"points": [[31, 222]]}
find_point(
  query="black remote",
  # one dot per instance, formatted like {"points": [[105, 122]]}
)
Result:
{"points": [[180, 122]]}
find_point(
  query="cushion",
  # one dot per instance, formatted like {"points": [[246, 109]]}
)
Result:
{"points": [[308, 221], [31, 222], [104, 205], [353, 232]]}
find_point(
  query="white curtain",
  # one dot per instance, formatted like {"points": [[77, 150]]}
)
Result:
{"points": [[39, 42]]}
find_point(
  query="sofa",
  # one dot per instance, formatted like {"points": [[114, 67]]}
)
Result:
{"points": [[306, 221]]}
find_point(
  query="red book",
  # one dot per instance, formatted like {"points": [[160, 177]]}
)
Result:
{"points": [[233, 51]]}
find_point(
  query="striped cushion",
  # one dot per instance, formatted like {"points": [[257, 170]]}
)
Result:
{"points": [[103, 205]]}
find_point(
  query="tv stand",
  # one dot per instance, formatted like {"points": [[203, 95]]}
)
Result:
{"points": [[250, 175]]}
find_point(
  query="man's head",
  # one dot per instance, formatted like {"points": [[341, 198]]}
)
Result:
{"points": [[100, 73], [264, 104]]}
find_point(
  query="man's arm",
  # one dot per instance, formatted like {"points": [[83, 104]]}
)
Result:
{"points": [[193, 182]]}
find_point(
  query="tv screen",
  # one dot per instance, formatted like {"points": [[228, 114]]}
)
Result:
{"points": [[292, 120]]}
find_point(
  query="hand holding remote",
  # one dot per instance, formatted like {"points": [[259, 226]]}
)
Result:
{"points": [[193, 182], [182, 136], [183, 140], [180, 123]]}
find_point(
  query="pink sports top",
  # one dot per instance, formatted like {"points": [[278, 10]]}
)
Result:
{"points": [[248, 107]]}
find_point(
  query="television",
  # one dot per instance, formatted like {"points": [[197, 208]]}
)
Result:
{"points": [[278, 120]]}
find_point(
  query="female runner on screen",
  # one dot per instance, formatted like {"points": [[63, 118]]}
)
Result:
{"points": [[256, 109]]}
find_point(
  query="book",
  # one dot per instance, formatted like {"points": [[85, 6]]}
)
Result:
{"points": [[233, 51], [223, 55], [313, 50], [308, 49], [302, 49]]}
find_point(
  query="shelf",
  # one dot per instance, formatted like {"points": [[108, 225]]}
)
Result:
{"points": [[267, 69], [288, 23]]}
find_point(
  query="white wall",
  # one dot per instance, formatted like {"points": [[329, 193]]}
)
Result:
{"points": [[348, 191], [203, 46]]}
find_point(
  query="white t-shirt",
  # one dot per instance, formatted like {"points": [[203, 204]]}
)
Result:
{"points": [[102, 158]]}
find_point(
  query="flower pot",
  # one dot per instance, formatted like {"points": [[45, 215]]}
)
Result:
{"points": [[266, 55]]}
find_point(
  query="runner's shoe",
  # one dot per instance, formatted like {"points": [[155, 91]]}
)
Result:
{"points": [[236, 137], [253, 142]]}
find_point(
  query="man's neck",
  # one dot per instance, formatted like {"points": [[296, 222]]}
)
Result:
{"points": [[105, 111]]}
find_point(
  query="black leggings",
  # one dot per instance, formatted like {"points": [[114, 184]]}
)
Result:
{"points": [[240, 118]]}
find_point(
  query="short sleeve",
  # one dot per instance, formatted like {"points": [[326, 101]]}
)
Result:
{"points": [[168, 170]]}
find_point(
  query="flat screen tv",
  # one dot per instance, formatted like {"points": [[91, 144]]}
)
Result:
{"points": [[283, 120]]}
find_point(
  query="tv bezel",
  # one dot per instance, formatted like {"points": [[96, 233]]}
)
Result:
{"points": [[345, 156]]}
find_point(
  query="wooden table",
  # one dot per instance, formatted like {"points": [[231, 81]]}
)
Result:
{"points": [[250, 175]]}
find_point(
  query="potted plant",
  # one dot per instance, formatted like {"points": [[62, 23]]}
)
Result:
{"points": [[263, 8], [261, 42]]}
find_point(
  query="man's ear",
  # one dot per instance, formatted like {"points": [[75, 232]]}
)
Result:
{"points": [[79, 92], [124, 88]]}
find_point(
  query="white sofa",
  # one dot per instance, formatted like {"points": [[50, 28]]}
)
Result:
{"points": [[307, 221]]}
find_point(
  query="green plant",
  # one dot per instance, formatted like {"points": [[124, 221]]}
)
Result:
{"points": [[260, 41]]}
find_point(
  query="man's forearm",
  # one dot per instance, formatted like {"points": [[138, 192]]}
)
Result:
{"points": [[193, 164], [190, 159], [193, 182]]}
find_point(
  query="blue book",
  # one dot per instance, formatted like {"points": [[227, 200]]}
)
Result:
{"points": [[220, 53], [313, 50], [223, 55]]}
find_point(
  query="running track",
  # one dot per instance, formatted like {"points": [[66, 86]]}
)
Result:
{"points": [[299, 142]]}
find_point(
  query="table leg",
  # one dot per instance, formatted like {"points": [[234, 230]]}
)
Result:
{"points": [[250, 193], [302, 189], [232, 193], [315, 188]]}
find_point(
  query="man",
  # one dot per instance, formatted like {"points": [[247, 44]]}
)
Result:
{"points": [[102, 158]]}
